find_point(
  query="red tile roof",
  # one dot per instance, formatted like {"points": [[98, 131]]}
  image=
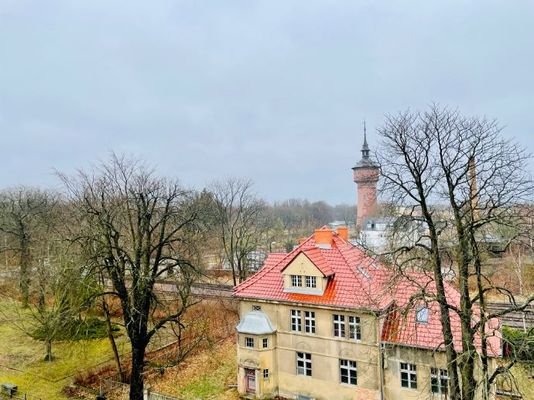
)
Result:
{"points": [[350, 287], [401, 326], [360, 282]]}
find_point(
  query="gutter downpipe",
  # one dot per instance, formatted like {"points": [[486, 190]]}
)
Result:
{"points": [[380, 357]]}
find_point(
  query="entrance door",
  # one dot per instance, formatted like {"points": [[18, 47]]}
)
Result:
{"points": [[250, 380]]}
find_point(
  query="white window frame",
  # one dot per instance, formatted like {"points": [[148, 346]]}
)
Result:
{"points": [[304, 364], [439, 381], [311, 281], [296, 322], [265, 343], [355, 330], [408, 375], [266, 374], [349, 370], [309, 322], [296, 280], [339, 325]]}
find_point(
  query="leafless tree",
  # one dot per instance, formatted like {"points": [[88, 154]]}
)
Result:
{"points": [[458, 179], [240, 220], [26, 217], [136, 228]]}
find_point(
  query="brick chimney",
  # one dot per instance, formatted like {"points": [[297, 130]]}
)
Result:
{"points": [[323, 237], [343, 232]]}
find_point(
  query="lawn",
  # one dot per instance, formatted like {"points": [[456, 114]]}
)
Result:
{"points": [[204, 375], [21, 357]]}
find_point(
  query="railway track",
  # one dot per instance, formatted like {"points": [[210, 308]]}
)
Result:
{"points": [[515, 319], [198, 289]]}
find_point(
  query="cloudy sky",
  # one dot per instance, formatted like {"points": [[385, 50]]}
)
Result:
{"points": [[273, 90]]}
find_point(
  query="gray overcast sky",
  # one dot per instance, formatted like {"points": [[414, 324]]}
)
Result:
{"points": [[273, 90]]}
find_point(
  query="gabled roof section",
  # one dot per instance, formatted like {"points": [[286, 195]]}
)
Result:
{"points": [[316, 257], [342, 261], [401, 326]]}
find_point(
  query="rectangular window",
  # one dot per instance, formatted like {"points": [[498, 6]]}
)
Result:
{"points": [[311, 281], [265, 343], [421, 315], [296, 325], [296, 280], [439, 380], [265, 374], [249, 342], [408, 375], [309, 321], [339, 325], [347, 372], [355, 332], [304, 364]]}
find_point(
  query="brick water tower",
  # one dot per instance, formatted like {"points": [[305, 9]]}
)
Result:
{"points": [[365, 174]]}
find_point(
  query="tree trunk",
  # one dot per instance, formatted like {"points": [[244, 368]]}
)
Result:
{"points": [[112, 340], [469, 352], [49, 356], [24, 271], [448, 338], [136, 376]]}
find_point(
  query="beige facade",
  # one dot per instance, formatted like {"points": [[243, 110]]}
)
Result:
{"points": [[280, 358], [374, 380]]}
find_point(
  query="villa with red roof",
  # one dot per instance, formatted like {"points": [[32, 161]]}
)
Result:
{"points": [[327, 321]]}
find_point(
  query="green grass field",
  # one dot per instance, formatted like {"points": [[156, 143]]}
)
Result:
{"points": [[21, 357]]}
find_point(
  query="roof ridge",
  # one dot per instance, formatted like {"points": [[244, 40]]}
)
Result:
{"points": [[324, 266], [358, 275]]}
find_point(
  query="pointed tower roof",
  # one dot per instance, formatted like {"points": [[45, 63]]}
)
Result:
{"points": [[365, 147], [365, 160]]}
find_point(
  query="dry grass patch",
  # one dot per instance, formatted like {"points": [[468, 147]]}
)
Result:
{"points": [[205, 375]]}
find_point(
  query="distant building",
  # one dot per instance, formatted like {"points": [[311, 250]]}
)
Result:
{"points": [[383, 234], [326, 321], [365, 175]]}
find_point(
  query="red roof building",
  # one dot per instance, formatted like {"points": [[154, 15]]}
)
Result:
{"points": [[328, 300]]}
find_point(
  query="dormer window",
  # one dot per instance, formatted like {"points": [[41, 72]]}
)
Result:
{"points": [[311, 281], [421, 315], [296, 280], [307, 273]]}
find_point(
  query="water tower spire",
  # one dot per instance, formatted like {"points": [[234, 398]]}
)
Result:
{"points": [[365, 175]]}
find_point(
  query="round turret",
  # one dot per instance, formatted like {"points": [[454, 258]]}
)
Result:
{"points": [[365, 175]]}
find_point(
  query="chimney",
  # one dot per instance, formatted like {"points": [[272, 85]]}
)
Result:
{"points": [[473, 191], [343, 233], [323, 238]]}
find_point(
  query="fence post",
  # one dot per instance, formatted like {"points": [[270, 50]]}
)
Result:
{"points": [[146, 393]]}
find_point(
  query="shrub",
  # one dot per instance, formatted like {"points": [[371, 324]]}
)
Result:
{"points": [[518, 344], [78, 329]]}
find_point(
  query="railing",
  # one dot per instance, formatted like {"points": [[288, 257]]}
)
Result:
{"points": [[18, 396], [149, 395], [113, 389]]}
